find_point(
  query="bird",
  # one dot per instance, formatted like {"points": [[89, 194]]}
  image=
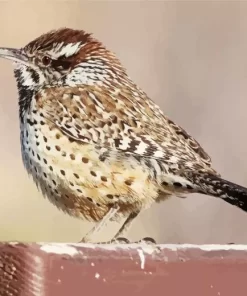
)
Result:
{"points": [[96, 145]]}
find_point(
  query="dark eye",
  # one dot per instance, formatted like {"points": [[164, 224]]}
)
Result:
{"points": [[46, 61]]}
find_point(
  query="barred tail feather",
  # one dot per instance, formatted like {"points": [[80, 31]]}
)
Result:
{"points": [[215, 186]]}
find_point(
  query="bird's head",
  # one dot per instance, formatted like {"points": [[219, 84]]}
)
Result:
{"points": [[64, 57]]}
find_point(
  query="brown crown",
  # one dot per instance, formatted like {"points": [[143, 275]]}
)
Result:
{"points": [[92, 48], [65, 35]]}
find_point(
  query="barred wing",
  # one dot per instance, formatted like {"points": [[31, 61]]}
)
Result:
{"points": [[123, 121]]}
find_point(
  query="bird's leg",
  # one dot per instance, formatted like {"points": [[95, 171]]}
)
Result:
{"points": [[125, 227], [111, 213], [118, 239]]}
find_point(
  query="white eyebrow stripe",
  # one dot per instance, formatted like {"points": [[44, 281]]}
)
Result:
{"points": [[67, 50]]}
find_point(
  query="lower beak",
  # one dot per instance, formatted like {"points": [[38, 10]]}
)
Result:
{"points": [[13, 54]]}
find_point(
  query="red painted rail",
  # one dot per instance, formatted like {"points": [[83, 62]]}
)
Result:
{"points": [[76, 270]]}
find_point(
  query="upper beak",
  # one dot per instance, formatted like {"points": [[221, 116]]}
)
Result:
{"points": [[13, 54]]}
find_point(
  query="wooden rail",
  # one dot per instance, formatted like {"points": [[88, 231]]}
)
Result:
{"points": [[123, 270]]}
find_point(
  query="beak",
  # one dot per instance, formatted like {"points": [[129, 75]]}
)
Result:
{"points": [[13, 54]]}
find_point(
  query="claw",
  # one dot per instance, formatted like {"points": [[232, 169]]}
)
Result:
{"points": [[147, 240], [121, 240]]}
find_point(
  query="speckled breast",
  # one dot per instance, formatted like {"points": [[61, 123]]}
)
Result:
{"points": [[77, 177]]}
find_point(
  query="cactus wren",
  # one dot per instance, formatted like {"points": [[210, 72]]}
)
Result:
{"points": [[95, 144]]}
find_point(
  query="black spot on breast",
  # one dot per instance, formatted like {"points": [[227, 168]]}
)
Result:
{"points": [[177, 184], [189, 186], [114, 119], [110, 196], [30, 122], [164, 183], [84, 159], [128, 182], [72, 156]]}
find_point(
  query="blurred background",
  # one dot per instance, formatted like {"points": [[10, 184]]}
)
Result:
{"points": [[190, 57]]}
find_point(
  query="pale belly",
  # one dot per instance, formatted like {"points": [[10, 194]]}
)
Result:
{"points": [[82, 180]]}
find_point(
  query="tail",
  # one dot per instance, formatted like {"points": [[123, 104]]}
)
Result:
{"points": [[215, 186]]}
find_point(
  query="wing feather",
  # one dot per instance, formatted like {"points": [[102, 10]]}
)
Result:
{"points": [[125, 121]]}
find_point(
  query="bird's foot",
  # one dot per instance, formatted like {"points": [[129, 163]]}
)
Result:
{"points": [[119, 240], [146, 241], [123, 240]]}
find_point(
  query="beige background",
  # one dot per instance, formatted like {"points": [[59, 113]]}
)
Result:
{"points": [[189, 57]]}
